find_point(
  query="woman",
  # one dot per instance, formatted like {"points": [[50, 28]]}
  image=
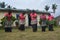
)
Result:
{"points": [[22, 22], [51, 22], [43, 22], [33, 16], [8, 22]]}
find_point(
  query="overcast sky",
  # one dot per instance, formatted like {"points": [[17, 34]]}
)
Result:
{"points": [[33, 4]]}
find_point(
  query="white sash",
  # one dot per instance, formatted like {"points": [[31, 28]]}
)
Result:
{"points": [[43, 23], [8, 23], [34, 21], [21, 22]]}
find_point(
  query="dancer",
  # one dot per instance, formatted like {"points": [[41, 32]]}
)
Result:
{"points": [[33, 16], [43, 22], [22, 22]]}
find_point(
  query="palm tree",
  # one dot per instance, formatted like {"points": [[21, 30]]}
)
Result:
{"points": [[14, 8], [47, 7], [54, 7], [3, 5], [0, 5], [8, 6]]}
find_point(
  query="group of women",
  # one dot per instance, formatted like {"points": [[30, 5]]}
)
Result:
{"points": [[21, 21]]}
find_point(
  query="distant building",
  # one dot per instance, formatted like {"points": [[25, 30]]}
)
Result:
{"points": [[17, 11], [58, 20]]}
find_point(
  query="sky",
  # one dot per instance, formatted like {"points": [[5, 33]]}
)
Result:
{"points": [[34, 4]]}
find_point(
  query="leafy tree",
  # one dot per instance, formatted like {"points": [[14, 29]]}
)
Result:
{"points": [[9, 6], [47, 7], [54, 7], [2, 5]]}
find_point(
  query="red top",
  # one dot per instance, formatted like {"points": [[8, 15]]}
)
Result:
{"points": [[43, 17], [21, 16], [33, 16], [8, 16], [50, 18]]}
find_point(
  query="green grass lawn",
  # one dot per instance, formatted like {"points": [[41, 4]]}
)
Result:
{"points": [[29, 35]]}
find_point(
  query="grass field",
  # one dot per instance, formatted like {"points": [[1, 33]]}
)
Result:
{"points": [[29, 35]]}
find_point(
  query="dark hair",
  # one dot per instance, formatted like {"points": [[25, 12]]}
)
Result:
{"points": [[43, 13], [49, 14], [23, 13], [9, 12], [33, 10]]}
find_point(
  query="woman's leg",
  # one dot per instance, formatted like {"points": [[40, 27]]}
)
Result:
{"points": [[43, 28], [34, 26], [10, 29], [22, 27], [5, 29], [51, 27]]}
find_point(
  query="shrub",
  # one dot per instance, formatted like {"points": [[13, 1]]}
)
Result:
{"points": [[4, 19], [49, 22]]}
